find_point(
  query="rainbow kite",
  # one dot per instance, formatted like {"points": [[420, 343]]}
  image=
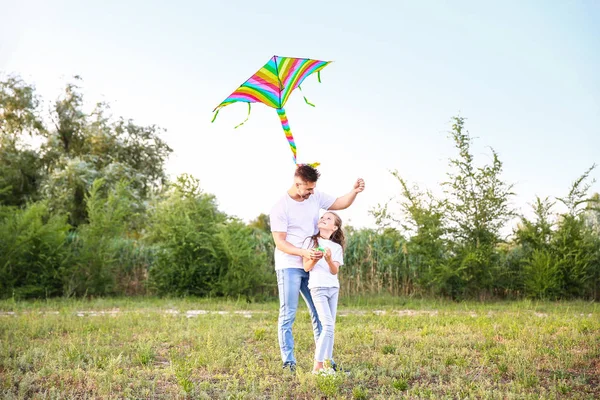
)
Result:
{"points": [[272, 85]]}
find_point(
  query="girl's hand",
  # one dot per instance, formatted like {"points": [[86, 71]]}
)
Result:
{"points": [[327, 254]]}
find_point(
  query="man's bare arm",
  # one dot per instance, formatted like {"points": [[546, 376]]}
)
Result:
{"points": [[282, 244], [346, 200], [343, 202]]}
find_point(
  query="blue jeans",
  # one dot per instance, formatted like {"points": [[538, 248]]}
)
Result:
{"points": [[292, 282], [326, 301]]}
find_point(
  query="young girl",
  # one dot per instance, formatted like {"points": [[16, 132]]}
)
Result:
{"points": [[323, 281]]}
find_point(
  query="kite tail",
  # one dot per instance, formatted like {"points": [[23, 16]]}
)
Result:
{"points": [[237, 126], [305, 99], [215, 117], [286, 129]]}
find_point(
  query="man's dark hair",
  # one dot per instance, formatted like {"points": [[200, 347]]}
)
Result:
{"points": [[307, 173]]}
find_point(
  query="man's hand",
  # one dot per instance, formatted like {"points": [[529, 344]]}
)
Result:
{"points": [[312, 254], [359, 186], [316, 254]]}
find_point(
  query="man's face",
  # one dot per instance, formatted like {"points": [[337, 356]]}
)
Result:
{"points": [[305, 189]]}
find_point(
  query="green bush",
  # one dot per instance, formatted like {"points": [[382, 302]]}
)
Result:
{"points": [[32, 251], [185, 227], [97, 246], [202, 252], [246, 270], [541, 275], [576, 251]]}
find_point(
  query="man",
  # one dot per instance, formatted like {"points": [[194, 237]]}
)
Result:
{"points": [[294, 218]]}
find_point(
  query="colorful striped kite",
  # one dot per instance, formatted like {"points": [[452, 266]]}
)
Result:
{"points": [[272, 85]]}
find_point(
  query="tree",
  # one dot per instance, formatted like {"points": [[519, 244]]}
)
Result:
{"points": [[20, 166], [478, 207], [20, 172], [478, 198], [77, 148], [19, 113], [538, 276], [262, 223], [82, 147], [536, 234], [592, 213], [576, 247], [422, 219]]}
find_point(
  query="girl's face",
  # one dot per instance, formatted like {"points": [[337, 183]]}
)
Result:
{"points": [[327, 221]]}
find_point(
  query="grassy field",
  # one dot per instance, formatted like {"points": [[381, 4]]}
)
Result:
{"points": [[394, 348]]}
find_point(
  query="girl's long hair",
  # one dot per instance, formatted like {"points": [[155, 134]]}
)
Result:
{"points": [[337, 237]]}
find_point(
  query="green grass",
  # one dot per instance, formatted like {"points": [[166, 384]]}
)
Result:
{"points": [[395, 348]]}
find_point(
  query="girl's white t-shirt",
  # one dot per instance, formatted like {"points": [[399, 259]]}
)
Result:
{"points": [[320, 276]]}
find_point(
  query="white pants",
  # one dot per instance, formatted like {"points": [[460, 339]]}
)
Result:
{"points": [[325, 300]]}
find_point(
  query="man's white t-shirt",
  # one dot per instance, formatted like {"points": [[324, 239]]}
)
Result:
{"points": [[298, 219], [320, 275]]}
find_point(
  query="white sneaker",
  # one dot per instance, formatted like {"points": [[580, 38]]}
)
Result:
{"points": [[326, 371]]}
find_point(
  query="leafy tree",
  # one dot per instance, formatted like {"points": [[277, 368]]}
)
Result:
{"points": [[478, 207], [20, 172], [262, 223], [576, 247], [538, 275], [592, 213], [82, 148], [19, 108], [20, 166], [77, 148], [422, 219]]}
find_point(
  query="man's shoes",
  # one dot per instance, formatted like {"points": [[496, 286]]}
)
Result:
{"points": [[289, 365], [337, 368]]}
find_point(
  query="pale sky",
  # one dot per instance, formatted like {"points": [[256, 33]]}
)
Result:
{"points": [[525, 74]]}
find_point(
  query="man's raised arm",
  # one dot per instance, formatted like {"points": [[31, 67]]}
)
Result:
{"points": [[346, 200]]}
